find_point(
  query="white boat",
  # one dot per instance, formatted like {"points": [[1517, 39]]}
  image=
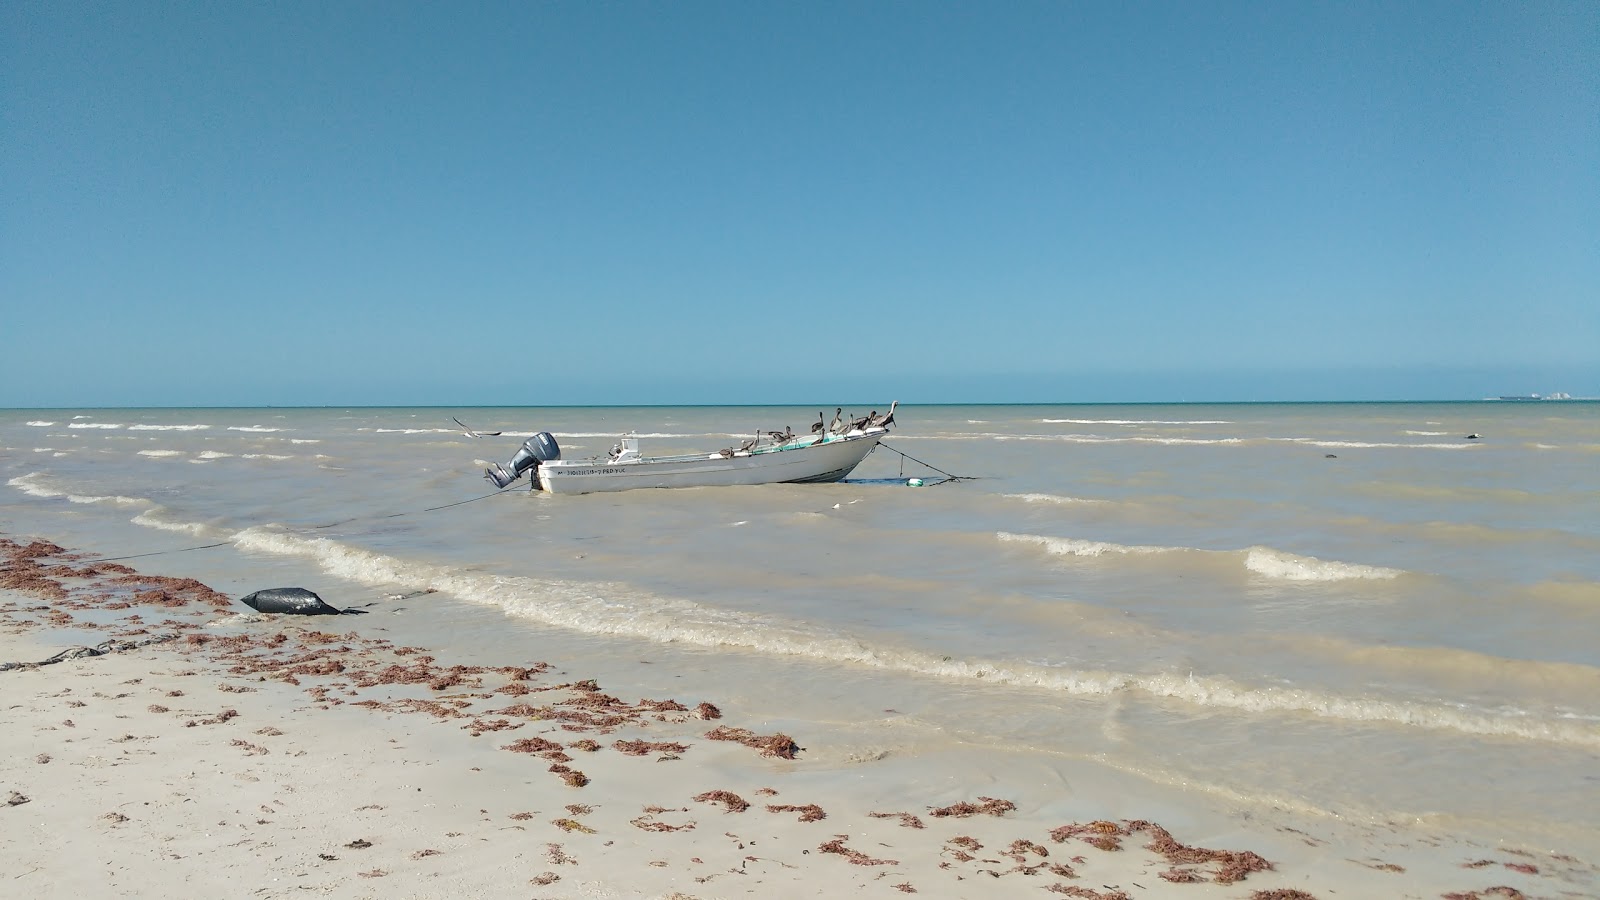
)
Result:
{"points": [[828, 454]]}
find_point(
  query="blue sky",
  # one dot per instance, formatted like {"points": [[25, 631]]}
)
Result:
{"points": [[722, 202]]}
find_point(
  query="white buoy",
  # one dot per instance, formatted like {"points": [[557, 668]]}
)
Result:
{"points": [[913, 482]]}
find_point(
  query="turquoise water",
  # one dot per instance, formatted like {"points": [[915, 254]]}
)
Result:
{"points": [[1337, 609]]}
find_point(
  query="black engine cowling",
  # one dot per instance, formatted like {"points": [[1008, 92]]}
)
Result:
{"points": [[542, 447]]}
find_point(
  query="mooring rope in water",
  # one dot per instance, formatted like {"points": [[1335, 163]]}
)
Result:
{"points": [[905, 456], [309, 528], [102, 649]]}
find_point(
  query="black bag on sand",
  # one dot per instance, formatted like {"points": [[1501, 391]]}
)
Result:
{"points": [[293, 601]]}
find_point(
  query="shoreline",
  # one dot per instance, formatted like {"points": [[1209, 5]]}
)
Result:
{"points": [[267, 755]]}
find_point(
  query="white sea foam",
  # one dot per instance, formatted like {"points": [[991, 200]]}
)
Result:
{"points": [[168, 427], [1289, 567], [1263, 561], [305, 440], [637, 434], [41, 424], [1427, 433], [160, 452], [34, 485], [152, 518], [1074, 547], [1381, 445], [613, 609], [1051, 498], [253, 429], [1135, 422], [276, 456], [213, 454], [104, 426], [409, 430]]}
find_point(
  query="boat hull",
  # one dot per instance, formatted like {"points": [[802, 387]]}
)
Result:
{"points": [[826, 461]]}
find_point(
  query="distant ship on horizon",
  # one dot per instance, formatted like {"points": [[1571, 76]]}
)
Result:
{"points": [[1556, 396]]}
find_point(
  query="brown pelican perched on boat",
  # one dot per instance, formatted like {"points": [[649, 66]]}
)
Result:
{"points": [[864, 422], [819, 426], [782, 437], [888, 417], [836, 426]]}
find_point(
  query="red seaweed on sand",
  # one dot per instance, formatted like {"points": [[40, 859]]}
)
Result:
{"points": [[779, 745]]}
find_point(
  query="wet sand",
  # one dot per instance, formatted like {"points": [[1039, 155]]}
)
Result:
{"points": [[222, 752]]}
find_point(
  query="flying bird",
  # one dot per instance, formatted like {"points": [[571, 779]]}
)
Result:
{"points": [[473, 434]]}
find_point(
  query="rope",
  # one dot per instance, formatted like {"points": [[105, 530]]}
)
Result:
{"points": [[905, 456], [414, 511], [312, 528], [112, 646]]}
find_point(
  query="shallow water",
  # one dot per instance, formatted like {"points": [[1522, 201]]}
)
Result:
{"points": [[1348, 609]]}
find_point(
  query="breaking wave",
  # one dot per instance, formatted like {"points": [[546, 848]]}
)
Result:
{"points": [[34, 484], [1134, 422], [168, 427], [602, 608], [1263, 561], [1051, 498]]}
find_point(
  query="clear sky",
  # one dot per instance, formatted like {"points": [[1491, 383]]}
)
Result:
{"points": [[530, 203]]}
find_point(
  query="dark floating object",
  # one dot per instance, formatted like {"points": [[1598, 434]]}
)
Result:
{"points": [[1329, 456], [1474, 436], [292, 601]]}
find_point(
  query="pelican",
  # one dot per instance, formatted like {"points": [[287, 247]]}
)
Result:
{"points": [[838, 420], [864, 422], [888, 417], [818, 428]]}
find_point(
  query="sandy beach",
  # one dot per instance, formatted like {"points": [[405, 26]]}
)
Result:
{"points": [[188, 744]]}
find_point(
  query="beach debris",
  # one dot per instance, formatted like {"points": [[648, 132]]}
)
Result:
{"points": [[17, 799], [1021, 847], [808, 813], [1282, 894], [1070, 890], [557, 855], [570, 825], [544, 878], [907, 820], [779, 745], [707, 711], [645, 748], [1498, 892], [731, 801], [856, 857], [1100, 834], [358, 844], [293, 601], [987, 806]]}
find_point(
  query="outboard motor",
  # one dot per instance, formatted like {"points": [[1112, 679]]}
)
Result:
{"points": [[540, 448]]}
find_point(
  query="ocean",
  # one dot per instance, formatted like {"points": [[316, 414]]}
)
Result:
{"points": [[1342, 611]]}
